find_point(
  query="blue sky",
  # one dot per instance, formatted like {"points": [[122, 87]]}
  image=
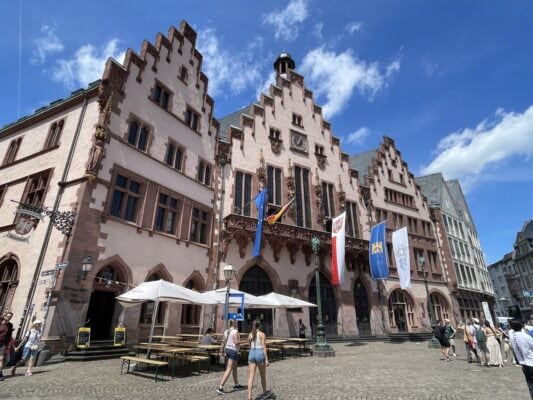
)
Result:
{"points": [[450, 81]]}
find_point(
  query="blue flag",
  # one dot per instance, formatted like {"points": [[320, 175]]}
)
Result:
{"points": [[378, 252], [260, 202]]}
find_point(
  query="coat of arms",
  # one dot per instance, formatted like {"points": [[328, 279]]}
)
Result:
{"points": [[24, 226]]}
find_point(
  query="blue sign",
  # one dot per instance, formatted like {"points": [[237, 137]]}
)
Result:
{"points": [[238, 316], [527, 293], [378, 252]]}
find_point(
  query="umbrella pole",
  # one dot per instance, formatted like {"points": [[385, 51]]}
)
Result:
{"points": [[201, 325], [154, 317]]}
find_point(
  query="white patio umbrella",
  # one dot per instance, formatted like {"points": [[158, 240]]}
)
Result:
{"points": [[158, 291], [282, 301], [219, 297]]}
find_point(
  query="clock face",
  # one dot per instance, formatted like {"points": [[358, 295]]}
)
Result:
{"points": [[298, 141]]}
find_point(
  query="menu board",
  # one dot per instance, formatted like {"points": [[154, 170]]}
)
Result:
{"points": [[120, 337], [83, 340]]}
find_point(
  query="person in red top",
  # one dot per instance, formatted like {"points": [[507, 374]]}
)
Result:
{"points": [[6, 331]]}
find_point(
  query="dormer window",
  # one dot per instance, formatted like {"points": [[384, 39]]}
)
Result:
{"points": [[297, 120]]}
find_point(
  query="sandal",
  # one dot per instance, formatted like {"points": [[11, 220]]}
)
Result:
{"points": [[28, 373]]}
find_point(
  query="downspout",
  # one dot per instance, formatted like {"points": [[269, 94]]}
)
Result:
{"points": [[28, 309], [220, 215]]}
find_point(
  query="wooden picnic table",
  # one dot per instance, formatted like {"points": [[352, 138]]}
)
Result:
{"points": [[164, 348]]}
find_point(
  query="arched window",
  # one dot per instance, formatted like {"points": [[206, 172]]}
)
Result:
{"points": [[440, 307], [147, 308], [8, 284], [329, 306], [190, 313], [54, 134], [401, 314], [12, 151]]}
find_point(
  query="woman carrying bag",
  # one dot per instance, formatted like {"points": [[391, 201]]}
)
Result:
{"points": [[30, 346]]}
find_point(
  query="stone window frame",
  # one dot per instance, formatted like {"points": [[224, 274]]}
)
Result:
{"points": [[133, 138], [54, 134], [304, 217], [297, 120], [35, 195], [167, 208], [275, 185], [191, 313], [12, 151], [352, 223], [139, 206], [192, 118], [198, 236], [328, 199], [161, 95], [175, 146], [183, 74], [147, 308], [204, 173], [3, 191], [9, 279], [242, 193]]}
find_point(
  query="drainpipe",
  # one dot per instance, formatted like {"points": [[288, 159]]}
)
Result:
{"points": [[28, 309]]}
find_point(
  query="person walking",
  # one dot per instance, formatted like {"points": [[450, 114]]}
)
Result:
{"points": [[522, 345], [301, 329], [230, 348], [6, 332], [495, 354], [440, 334], [481, 342], [468, 338], [257, 358], [30, 346], [450, 334]]}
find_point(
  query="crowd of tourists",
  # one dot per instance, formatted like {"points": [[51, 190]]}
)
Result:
{"points": [[490, 346]]}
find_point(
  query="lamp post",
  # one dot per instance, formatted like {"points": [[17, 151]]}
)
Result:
{"points": [[229, 273], [422, 263], [321, 348]]}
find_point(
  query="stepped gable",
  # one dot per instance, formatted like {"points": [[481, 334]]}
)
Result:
{"points": [[167, 49]]}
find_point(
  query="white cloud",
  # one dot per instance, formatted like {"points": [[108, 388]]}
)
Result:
{"points": [[46, 45], [353, 27], [336, 76], [318, 30], [234, 71], [476, 154], [287, 22], [87, 64], [358, 137]]}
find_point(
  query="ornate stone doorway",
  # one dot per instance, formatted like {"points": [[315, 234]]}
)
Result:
{"points": [[362, 309], [256, 281]]}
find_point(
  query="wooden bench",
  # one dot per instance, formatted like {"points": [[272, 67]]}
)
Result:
{"points": [[289, 349], [140, 360]]}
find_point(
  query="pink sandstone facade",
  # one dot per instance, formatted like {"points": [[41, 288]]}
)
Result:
{"points": [[162, 190]]}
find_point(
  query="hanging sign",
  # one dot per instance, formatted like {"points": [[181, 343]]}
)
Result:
{"points": [[120, 337], [83, 340], [238, 316]]}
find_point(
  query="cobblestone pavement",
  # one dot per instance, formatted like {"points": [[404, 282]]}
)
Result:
{"points": [[359, 371]]}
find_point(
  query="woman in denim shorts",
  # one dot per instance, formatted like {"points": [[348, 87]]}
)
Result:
{"points": [[257, 358], [230, 346]]}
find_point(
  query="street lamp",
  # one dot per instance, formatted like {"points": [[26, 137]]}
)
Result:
{"points": [[86, 267], [422, 263], [229, 273], [321, 348]]}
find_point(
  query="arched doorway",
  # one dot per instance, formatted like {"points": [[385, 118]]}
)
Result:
{"points": [[329, 306], [256, 281], [440, 307], [401, 314], [102, 315], [147, 308], [191, 313], [8, 283], [362, 309]]}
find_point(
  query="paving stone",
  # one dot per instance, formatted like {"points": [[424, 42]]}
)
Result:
{"points": [[373, 371]]}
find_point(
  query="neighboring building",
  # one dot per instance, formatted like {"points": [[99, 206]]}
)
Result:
{"points": [[520, 278], [460, 246], [132, 156], [392, 194], [499, 273]]}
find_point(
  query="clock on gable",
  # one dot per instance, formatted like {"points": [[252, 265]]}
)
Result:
{"points": [[298, 142]]}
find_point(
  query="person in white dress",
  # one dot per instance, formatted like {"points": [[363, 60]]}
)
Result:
{"points": [[495, 354]]}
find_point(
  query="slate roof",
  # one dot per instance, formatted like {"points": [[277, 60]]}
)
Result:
{"points": [[526, 232], [53, 104], [432, 186], [361, 162], [232, 119]]}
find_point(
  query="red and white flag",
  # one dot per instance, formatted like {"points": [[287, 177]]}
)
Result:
{"points": [[338, 229]]}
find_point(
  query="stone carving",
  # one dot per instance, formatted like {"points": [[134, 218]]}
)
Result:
{"points": [[275, 144], [97, 152]]}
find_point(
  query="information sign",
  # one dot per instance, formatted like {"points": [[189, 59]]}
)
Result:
{"points": [[83, 340], [120, 337]]}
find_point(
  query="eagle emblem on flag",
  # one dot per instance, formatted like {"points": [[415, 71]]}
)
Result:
{"points": [[377, 247]]}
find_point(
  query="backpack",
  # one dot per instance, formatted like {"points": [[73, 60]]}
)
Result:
{"points": [[480, 335]]}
